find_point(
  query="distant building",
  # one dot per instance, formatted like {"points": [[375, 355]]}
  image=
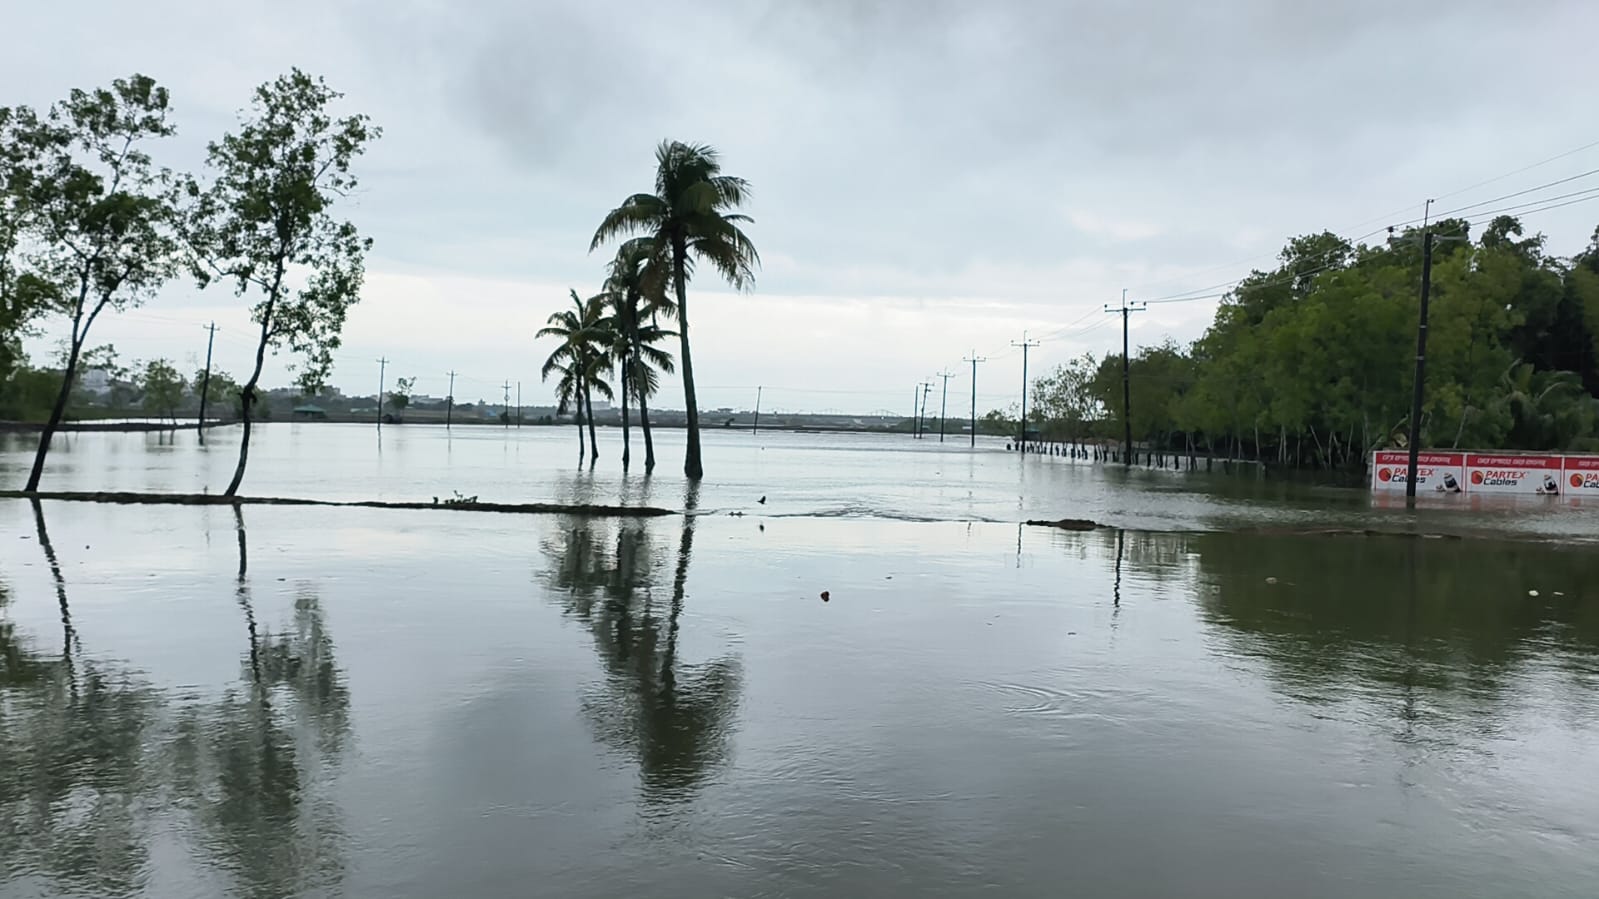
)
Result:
{"points": [[310, 412], [96, 381]]}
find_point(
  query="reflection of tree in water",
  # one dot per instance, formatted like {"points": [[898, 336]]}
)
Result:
{"points": [[91, 756], [73, 773], [1451, 617], [677, 719], [254, 764]]}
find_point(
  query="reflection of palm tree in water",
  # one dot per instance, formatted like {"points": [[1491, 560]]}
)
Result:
{"points": [[676, 718]]}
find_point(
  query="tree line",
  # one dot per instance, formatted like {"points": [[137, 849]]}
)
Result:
{"points": [[1311, 363], [90, 224]]}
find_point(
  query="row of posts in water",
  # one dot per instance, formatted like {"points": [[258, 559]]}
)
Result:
{"points": [[1113, 455]]}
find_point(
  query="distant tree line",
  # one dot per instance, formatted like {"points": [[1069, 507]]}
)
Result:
{"points": [[1311, 364]]}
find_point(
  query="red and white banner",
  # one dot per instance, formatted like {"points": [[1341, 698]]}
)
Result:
{"points": [[1523, 473], [1435, 472], [1581, 476], [1538, 475]]}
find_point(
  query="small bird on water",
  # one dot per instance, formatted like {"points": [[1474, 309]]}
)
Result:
{"points": [[762, 500]]}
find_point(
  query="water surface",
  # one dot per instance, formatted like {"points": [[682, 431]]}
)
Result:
{"points": [[374, 703], [799, 474]]}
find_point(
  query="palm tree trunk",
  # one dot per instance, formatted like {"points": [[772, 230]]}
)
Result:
{"points": [[577, 419], [594, 444], [644, 425], [627, 446], [692, 466]]}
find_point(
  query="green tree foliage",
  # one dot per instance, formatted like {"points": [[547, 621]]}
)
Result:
{"points": [[581, 360], [163, 388], [1064, 403], [86, 220], [690, 215], [1311, 362], [635, 288], [400, 396], [264, 224], [221, 391]]}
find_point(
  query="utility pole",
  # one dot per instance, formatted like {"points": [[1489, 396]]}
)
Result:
{"points": [[449, 403], [1127, 390], [1421, 355], [383, 364], [1025, 345], [927, 387], [974, 359], [507, 405], [943, 404], [519, 404], [205, 379], [916, 412], [757, 428]]}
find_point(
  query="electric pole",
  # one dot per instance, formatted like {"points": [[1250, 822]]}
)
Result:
{"points": [[507, 405], [1025, 345], [943, 404], [1127, 390], [205, 379], [757, 428], [916, 412], [449, 402], [1421, 355], [519, 404], [383, 364], [974, 359], [927, 387]]}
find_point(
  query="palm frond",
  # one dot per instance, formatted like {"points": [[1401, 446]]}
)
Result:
{"points": [[640, 212]]}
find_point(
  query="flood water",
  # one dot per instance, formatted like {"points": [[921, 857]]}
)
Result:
{"points": [[317, 702]]}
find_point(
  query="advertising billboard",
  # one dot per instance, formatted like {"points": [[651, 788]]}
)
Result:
{"points": [[1581, 476], [1526, 474], [1435, 472], [1492, 473]]}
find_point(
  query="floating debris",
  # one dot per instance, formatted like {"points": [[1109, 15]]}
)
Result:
{"points": [[825, 596]]}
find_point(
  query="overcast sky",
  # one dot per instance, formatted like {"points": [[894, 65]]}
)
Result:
{"points": [[927, 181]]}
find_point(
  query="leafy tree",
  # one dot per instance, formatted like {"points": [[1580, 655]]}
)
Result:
{"points": [[1064, 403], [96, 215], [400, 396], [689, 215], [163, 388], [23, 294], [581, 358], [264, 223], [221, 390]]}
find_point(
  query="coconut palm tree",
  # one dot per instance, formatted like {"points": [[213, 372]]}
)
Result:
{"points": [[688, 215], [636, 286], [579, 358]]}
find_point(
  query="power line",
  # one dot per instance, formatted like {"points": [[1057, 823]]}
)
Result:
{"points": [[1557, 156]]}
